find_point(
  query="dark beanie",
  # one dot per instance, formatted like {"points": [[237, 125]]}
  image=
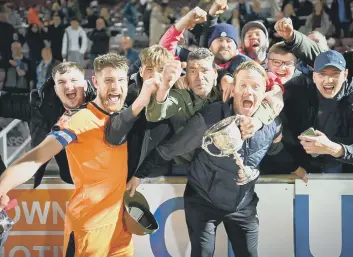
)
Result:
{"points": [[222, 30], [252, 24]]}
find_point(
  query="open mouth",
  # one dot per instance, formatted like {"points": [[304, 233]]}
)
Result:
{"points": [[114, 98], [329, 89], [71, 95], [281, 75], [255, 44], [247, 104]]}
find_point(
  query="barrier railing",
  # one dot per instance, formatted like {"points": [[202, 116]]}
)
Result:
{"points": [[3, 137]]}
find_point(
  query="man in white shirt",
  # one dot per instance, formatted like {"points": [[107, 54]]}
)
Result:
{"points": [[74, 43]]}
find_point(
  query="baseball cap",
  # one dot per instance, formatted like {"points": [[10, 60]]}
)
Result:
{"points": [[329, 58], [222, 30], [252, 24], [137, 216]]}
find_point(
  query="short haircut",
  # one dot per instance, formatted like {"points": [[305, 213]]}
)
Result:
{"points": [[155, 56], [280, 48], [251, 65], [111, 60], [201, 54], [64, 67], [321, 39]]}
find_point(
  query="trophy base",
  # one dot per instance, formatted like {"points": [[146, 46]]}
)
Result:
{"points": [[250, 175]]}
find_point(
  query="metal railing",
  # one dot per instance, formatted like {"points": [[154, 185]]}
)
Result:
{"points": [[3, 137]]}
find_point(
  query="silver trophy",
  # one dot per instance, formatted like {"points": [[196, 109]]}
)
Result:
{"points": [[226, 136]]}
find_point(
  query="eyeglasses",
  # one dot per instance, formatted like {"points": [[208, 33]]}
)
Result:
{"points": [[279, 63]]}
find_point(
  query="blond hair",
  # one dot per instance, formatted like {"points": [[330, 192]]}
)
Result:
{"points": [[251, 65], [110, 60], [155, 56]]}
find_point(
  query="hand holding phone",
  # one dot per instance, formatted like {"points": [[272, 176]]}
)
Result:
{"points": [[311, 133]]}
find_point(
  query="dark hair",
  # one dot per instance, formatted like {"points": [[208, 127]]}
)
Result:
{"points": [[201, 54], [64, 67]]}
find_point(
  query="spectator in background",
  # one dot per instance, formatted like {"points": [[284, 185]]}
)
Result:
{"points": [[244, 10], [341, 16], [91, 18], [130, 18], [35, 42], [12, 16], [17, 78], [7, 38], [33, 15], [147, 17], [255, 14], [55, 34], [66, 12], [45, 67], [104, 13], [100, 37], [128, 51], [302, 8], [161, 17], [275, 38], [288, 12], [318, 20], [74, 43], [237, 22]]}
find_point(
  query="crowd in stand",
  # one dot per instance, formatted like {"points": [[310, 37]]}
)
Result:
{"points": [[66, 30], [290, 100]]}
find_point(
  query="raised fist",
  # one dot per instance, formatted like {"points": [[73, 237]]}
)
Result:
{"points": [[218, 7], [171, 73], [284, 28], [195, 16]]}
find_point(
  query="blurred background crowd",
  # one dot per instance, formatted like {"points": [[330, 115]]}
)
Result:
{"points": [[37, 34]]}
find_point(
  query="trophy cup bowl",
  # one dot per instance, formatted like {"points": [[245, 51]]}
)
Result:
{"points": [[226, 136]]}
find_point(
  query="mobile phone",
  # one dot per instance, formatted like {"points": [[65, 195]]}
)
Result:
{"points": [[311, 133]]}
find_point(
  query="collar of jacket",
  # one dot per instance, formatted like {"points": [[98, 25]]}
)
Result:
{"points": [[137, 79], [213, 96], [346, 90]]}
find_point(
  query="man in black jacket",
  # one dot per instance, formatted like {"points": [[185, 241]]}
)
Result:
{"points": [[54, 34], [42, 109], [324, 103], [212, 194]]}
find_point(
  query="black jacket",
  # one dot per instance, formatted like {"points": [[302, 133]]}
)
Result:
{"points": [[100, 41], [41, 109], [333, 117], [143, 136], [214, 177], [55, 36]]}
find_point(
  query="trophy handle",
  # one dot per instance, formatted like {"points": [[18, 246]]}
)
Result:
{"points": [[206, 141]]}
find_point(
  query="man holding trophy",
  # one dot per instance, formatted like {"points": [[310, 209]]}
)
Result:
{"points": [[223, 172]]}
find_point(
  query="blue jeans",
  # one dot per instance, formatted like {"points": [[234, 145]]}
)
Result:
{"points": [[337, 169]]}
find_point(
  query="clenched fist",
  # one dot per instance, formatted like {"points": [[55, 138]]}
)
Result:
{"points": [[218, 7], [149, 87], [170, 75], [195, 16], [284, 28], [227, 87]]}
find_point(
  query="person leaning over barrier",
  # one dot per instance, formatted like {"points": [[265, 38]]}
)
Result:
{"points": [[325, 104], [42, 108], [93, 224], [212, 195]]}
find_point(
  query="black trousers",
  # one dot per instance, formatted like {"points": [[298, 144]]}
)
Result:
{"points": [[202, 219]]}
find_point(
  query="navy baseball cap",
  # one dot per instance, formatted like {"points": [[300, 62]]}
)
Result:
{"points": [[330, 58]]}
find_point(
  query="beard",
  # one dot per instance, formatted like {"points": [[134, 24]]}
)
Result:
{"points": [[108, 106], [219, 58], [257, 54]]}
